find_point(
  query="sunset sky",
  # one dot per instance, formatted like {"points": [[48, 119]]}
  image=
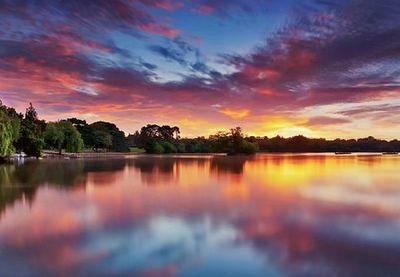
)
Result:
{"points": [[317, 68]]}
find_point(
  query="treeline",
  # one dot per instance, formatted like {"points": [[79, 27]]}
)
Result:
{"points": [[304, 144], [27, 133], [20, 132], [165, 139]]}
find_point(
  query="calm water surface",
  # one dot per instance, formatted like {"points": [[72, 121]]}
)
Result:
{"points": [[268, 215]]}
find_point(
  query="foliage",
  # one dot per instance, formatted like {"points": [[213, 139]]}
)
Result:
{"points": [[181, 147], [196, 145], [73, 141], [165, 132], [86, 131], [132, 140], [248, 147], [168, 147], [101, 135], [232, 142], [102, 139], [136, 150], [220, 142], [154, 138], [31, 140], [54, 136], [27, 133], [104, 130], [304, 144], [63, 135], [9, 130], [154, 147]]}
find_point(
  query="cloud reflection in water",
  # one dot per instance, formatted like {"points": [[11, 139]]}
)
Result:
{"points": [[202, 215]]}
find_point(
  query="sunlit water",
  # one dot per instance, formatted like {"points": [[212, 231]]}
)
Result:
{"points": [[268, 215]]}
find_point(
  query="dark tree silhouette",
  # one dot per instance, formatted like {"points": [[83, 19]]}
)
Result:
{"points": [[26, 133], [103, 130], [31, 140]]}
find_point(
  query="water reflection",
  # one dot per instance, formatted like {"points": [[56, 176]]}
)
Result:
{"points": [[202, 216], [228, 165]]}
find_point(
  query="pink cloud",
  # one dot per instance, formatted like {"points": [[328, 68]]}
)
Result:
{"points": [[168, 5], [163, 4], [156, 28]]}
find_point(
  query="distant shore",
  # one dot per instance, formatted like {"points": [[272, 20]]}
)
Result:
{"points": [[55, 155], [48, 154]]}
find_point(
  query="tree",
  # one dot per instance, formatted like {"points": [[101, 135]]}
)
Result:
{"points": [[54, 136], [232, 142], [102, 139], [168, 147], [63, 135], [196, 145], [85, 130], [133, 139], [31, 139], [9, 130], [166, 132], [248, 147], [107, 129], [152, 134], [154, 148], [220, 142], [72, 138]]}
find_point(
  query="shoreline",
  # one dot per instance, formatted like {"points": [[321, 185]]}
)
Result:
{"points": [[48, 155]]}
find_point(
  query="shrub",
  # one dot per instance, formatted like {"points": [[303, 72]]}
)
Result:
{"points": [[169, 147], [249, 148], [153, 147]]}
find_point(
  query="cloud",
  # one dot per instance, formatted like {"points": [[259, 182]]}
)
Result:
{"points": [[228, 8], [169, 53], [235, 113], [41, 52], [156, 28], [326, 121], [85, 58], [186, 55], [326, 57], [163, 4], [97, 15]]}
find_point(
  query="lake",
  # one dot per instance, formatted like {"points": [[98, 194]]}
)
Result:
{"points": [[267, 215]]}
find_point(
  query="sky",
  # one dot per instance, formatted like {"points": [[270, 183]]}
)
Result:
{"points": [[275, 67]]}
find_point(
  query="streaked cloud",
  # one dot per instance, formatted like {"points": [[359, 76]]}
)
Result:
{"points": [[320, 63]]}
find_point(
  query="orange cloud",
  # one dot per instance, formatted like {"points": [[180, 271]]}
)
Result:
{"points": [[235, 113]]}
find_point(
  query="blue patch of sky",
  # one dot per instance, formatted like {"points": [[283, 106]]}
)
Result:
{"points": [[238, 34], [139, 52]]}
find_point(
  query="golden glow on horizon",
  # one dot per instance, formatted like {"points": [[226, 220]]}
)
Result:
{"points": [[193, 124], [235, 113]]}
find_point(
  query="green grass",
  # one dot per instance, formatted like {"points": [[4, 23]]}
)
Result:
{"points": [[136, 150]]}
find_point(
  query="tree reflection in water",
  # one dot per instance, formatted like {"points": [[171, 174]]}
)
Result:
{"points": [[200, 215], [19, 182]]}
